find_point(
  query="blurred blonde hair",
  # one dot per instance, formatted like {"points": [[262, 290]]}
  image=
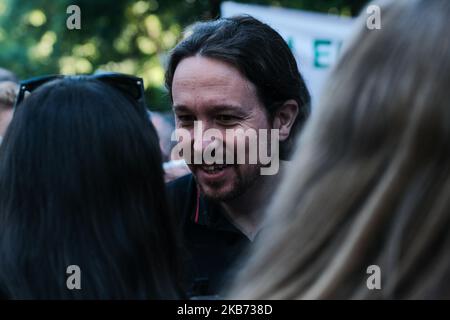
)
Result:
{"points": [[371, 182]]}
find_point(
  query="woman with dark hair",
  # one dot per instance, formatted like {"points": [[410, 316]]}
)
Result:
{"points": [[81, 184]]}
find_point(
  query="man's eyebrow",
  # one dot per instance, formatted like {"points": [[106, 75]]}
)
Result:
{"points": [[180, 107], [210, 109]]}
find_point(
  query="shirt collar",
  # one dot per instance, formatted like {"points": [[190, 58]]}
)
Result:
{"points": [[209, 213]]}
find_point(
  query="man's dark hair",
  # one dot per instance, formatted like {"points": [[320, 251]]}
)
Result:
{"points": [[257, 51]]}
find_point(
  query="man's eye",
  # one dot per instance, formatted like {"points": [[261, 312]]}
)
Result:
{"points": [[224, 118]]}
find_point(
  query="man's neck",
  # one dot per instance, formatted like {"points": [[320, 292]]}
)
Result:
{"points": [[247, 211]]}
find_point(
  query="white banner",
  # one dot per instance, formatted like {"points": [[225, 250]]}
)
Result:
{"points": [[314, 38]]}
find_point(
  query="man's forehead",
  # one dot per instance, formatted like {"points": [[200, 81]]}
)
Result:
{"points": [[208, 80], [213, 98]]}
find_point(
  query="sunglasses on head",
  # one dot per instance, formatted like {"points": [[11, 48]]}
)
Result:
{"points": [[131, 86]]}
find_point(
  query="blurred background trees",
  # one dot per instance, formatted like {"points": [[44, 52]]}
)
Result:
{"points": [[129, 36]]}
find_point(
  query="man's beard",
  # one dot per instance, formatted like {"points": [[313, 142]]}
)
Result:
{"points": [[241, 185]]}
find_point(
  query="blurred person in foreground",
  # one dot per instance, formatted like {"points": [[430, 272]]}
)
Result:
{"points": [[371, 185], [8, 90], [230, 74], [81, 183]]}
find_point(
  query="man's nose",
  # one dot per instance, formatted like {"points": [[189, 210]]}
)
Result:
{"points": [[201, 143], [207, 138]]}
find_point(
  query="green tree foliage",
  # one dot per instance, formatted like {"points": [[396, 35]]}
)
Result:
{"points": [[130, 36]]}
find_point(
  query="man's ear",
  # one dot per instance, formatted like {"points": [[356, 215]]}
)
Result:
{"points": [[285, 117]]}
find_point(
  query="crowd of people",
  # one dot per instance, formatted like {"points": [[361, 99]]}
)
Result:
{"points": [[364, 175]]}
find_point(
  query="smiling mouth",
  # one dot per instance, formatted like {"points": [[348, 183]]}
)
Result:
{"points": [[213, 168]]}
